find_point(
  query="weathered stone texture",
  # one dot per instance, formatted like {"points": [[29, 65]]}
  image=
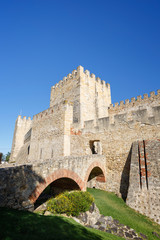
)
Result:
{"points": [[21, 185], [80, 88], [116, 143], [22, 126], [144, 188], [81, 120], [47, 139]]}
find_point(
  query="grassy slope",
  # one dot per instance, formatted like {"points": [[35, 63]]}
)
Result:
{"points": [[110, 205], [18, 225]]}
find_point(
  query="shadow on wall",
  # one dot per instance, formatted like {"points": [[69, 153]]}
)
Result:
{"points": [[17, 183], [54, 188], [125, 177]]}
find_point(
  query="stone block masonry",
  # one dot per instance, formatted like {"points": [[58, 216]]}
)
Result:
{"points": [[90, 95], [144, 188], [21, 185], [22, 126], [116, 134], [82, 121]]}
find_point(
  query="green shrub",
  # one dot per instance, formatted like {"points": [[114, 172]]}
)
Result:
{"points": [[81, 201], [71, 203], [60, 204]]}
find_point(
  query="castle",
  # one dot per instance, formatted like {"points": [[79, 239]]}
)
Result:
{"points": [[82, 121]]}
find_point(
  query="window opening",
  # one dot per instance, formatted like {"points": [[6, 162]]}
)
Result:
{"points": [[96, 147]]}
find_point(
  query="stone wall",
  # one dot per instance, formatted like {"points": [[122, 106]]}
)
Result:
{"points": [[144, 188], [68, 90], [21, 185], [95, 97], [82, 117], [136, 104], [116, 134], [90, 96], [22, 126], [49, 132]]}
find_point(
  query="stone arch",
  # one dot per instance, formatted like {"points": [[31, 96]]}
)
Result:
{"points": [[62, 173], [91, 167]]}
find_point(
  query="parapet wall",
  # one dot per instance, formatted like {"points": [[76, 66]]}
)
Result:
{"points": [[145, 111], [135, 103], [143, 116]]}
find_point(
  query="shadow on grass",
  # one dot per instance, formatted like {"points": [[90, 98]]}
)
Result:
{"points": [[17, 225]]}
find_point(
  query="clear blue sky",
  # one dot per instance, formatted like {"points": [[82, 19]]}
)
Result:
{"points": [[41, 41]]}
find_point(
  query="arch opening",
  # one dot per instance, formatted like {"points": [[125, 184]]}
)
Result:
{"points": [[96, 178], [54, 188]]}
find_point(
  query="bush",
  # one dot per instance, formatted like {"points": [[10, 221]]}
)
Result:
{"points": [[81, 201], [71, 203], [60, 204]]}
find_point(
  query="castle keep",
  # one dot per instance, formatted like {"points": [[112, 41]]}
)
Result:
{"points": [[82, 123]]}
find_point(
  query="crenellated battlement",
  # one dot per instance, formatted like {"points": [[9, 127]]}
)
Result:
{"points": [[89, 94], [24, 119], [75, 75], [145, 116], [128, 105], [52, 110]]}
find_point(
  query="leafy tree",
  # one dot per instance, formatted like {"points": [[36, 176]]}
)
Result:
{"points": [[7, 156]]}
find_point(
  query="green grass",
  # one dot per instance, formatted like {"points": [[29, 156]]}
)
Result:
{"points": [[110, 205], [21, 225]]}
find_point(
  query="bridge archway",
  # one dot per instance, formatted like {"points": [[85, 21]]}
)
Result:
{"points": [[95, 175], [57, 177], [55, 188]]}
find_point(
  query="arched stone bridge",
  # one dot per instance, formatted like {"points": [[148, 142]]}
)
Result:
{"points": [[21, 185]]}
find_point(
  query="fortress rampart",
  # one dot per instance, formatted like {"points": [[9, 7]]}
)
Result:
{"points": [[82, 121], [135, 103], [150, 116]]}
